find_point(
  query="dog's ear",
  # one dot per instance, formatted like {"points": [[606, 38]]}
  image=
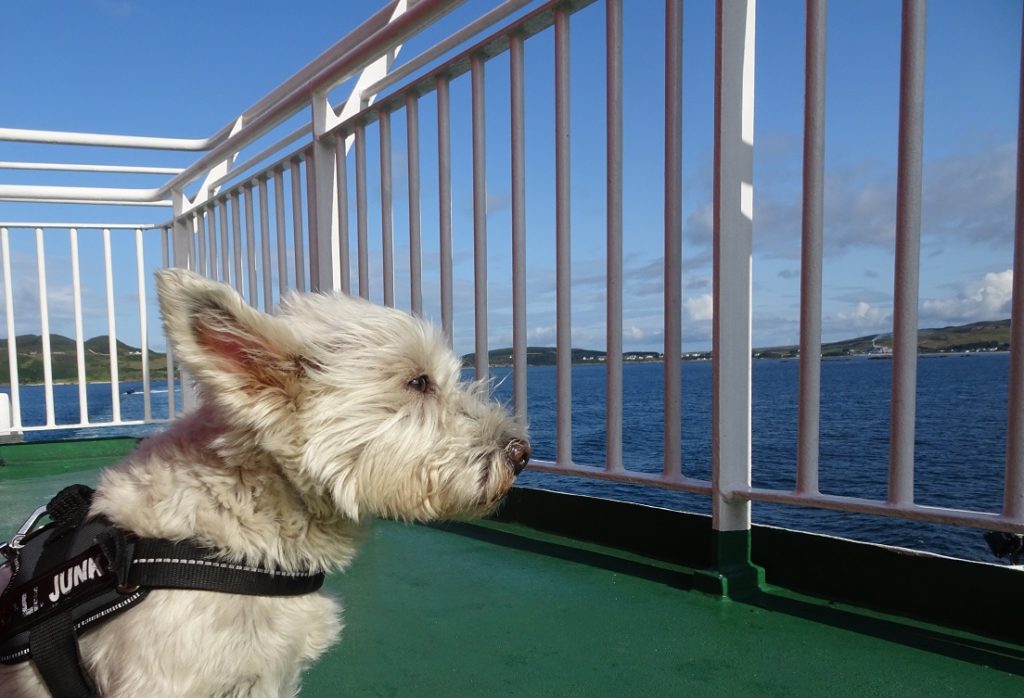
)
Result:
{"points": [[249, 362]]}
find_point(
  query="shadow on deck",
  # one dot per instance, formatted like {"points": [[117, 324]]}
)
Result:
{"points": [[495, 608], [573, 596]]}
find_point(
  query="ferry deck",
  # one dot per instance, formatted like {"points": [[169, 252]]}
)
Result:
{"points": [[557, 593]]}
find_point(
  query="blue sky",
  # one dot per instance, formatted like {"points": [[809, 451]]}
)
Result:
{"points": [[136, 67]]}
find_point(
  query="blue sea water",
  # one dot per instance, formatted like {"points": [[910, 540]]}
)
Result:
{"points": [[960, 437], [960, 440]]}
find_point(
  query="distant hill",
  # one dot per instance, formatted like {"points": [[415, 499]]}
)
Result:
{"points": [[547, 356], [535, 356], [64, 361], [988, 335]]}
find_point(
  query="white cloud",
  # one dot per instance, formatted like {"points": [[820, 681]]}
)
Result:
{"points": [[967, 196], [698, 309], [985, 299], [700, 223], [864, 318], [633, 333], [60, 308], [541, 335]]}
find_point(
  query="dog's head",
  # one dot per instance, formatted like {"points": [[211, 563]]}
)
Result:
{"points": [[361, 405]]}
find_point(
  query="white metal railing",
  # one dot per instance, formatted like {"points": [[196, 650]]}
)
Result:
{"points": [[283, 215], [46, 236]]}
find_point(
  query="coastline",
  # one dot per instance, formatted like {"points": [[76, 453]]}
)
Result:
{"points": [[706, 356], [120, 381]]}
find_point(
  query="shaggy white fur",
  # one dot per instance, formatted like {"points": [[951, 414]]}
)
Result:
{"points": [[313, 420]]}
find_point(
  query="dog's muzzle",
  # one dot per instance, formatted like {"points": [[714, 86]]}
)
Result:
{"points": [[518, 453]]}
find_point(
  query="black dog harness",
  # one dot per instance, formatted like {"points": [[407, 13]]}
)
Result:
{"points": [[73, 574]]}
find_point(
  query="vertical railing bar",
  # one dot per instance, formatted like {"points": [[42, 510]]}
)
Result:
{"points": [[282, 252], [140, 266], [211, 240], [444, 195], [268, 288], [44, 323], [115, 391], [300, 261], [673, 465], [165, 244], [196, 245], [169, 351], [12, 343], [908, 253], [563, 267], [76, 294], [479, 217], [200, 226], [1013, 494], [808, 428], [250, 241], [341, 181], [613, 310], [412, 132], [225, 260], [236, 241], [311, 220], [211, 236], [361, 244], [518, 144], [731, 397], [386, 212]]}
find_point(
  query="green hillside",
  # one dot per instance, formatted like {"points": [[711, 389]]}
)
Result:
{"points": [[64, 361], [988, 335]]}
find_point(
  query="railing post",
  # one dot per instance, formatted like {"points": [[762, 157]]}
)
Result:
{"points": [[324, 225], [323, 228], [733, 572]]}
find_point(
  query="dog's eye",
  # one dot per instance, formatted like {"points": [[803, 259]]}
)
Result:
{"points": [[420, 384]]}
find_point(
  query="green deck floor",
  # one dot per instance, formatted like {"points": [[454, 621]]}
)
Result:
{"points": [[501, 610], [498, 609]]}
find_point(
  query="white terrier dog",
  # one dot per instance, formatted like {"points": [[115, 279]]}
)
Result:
{"points": [[313, 420]]}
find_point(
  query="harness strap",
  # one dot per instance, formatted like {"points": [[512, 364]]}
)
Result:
{"points": [[163, 564], [54, 642], [54, 647]]}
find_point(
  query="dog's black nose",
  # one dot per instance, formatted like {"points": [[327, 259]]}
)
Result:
{"points": [[518, 452]]}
